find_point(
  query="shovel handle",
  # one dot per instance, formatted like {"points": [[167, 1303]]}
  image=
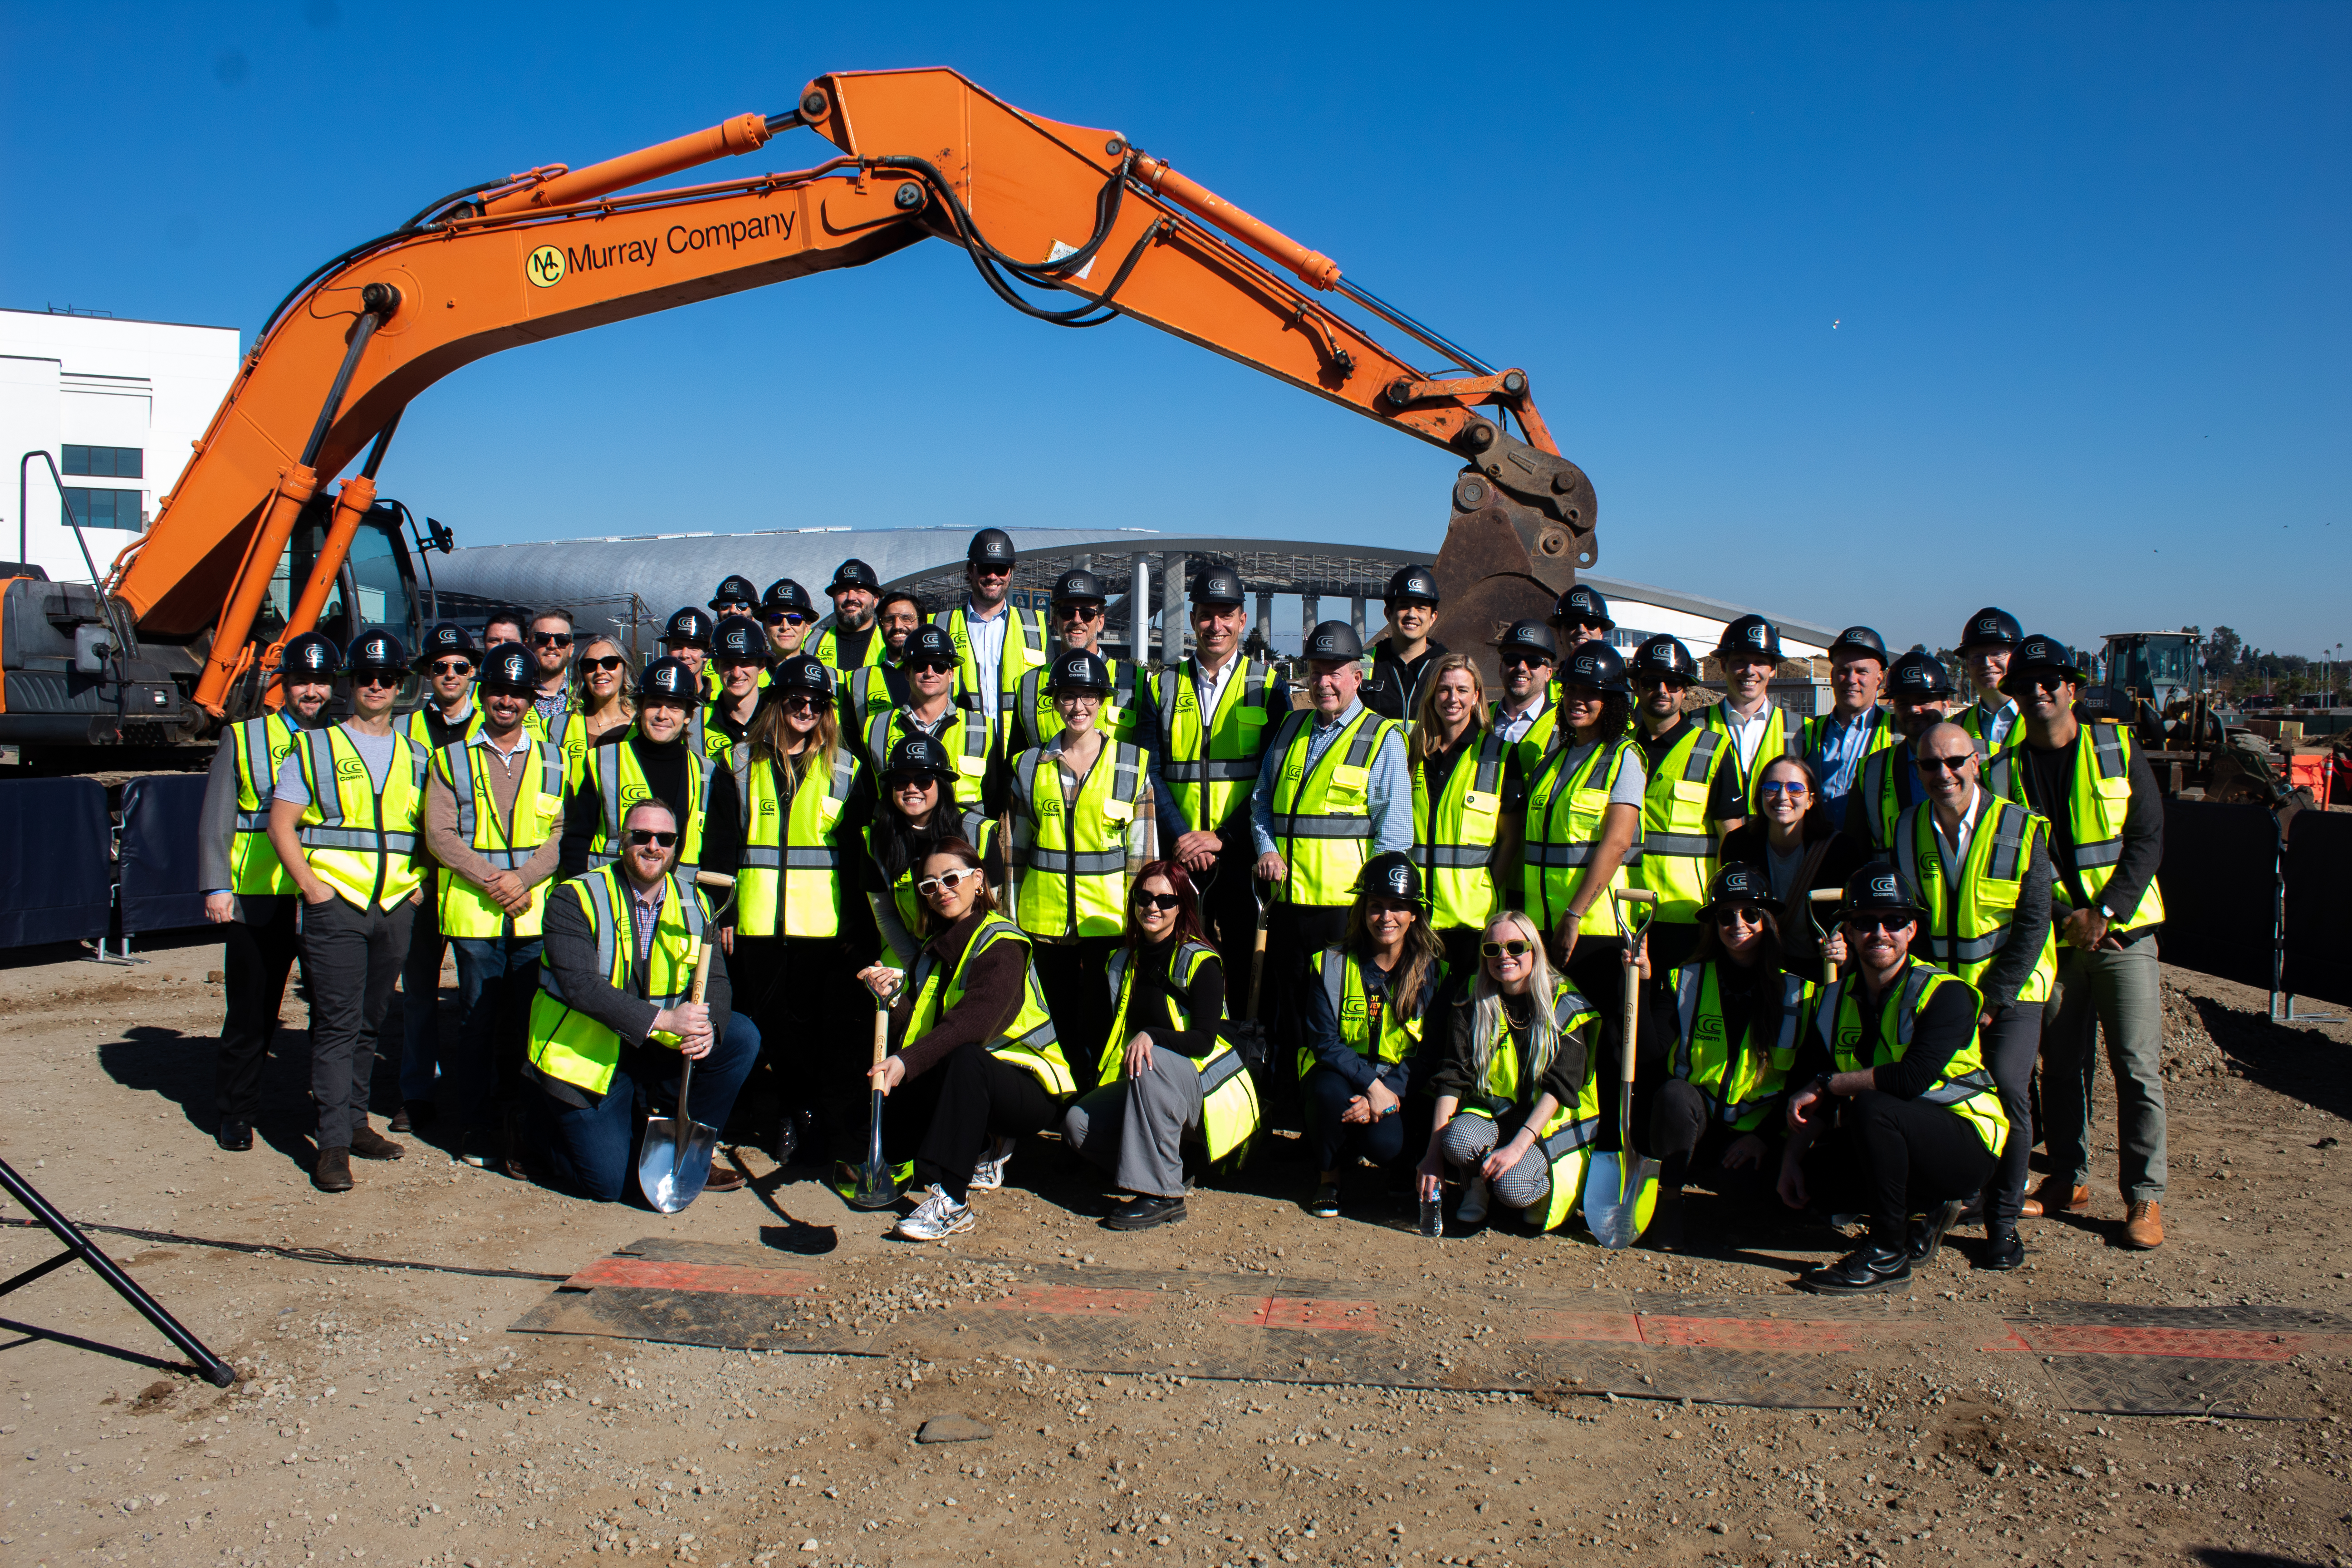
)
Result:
{"points": [[881, 1034], [1813, 900]]}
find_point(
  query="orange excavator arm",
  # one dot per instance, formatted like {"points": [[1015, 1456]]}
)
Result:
{"points": [[923, 155]]}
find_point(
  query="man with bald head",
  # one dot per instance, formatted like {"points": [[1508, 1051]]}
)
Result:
{"points": [[1981, 865]]}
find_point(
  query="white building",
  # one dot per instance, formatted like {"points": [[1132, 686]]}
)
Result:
{"points": [[118, 405]]}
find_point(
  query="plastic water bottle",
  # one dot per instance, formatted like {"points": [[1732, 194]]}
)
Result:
{"points": [[1433, 1218]]}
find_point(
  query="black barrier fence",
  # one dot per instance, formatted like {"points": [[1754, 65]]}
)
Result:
{"points": [[2317, 960], [57, 865], [155, 863], [2219, 878]]}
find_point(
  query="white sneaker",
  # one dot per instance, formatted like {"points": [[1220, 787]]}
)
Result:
{"points": [[936, 1218], [989, 1174], [1474, 1201]]}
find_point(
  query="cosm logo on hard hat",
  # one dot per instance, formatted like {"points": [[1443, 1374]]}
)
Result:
{"points": [[1882, 887], [1989, 625], [544, 267], [1400, 879], [1755, 635]]}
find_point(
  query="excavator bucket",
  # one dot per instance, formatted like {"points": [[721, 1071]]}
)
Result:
{"points": [[1523, 523]]}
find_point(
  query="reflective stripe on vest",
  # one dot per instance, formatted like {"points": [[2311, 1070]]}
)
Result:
{"points": [[1322, 817], [1342, 980], [1210, 769], [1073, 872], [964, 736], [361, 840], [1967, 926], [788, 879], [1036, 720], [1677, 858], [1776, 743], [1564, 830], [1454, 835], [1229, 1105], [1698, 1000], [1966, 1087], [570, 1046], [466, 910], [1028, 1041], [1567, 1136]]}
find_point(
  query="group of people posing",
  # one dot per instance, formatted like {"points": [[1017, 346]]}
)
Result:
{"points": [[1160, 911]]}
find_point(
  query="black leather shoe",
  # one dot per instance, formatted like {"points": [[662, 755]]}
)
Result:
{"points": [[1143, 1212], [1927, 1232], [332, 1174], [370, 1144], [2002, 1251], [1858, 1273], [234, 1136]]}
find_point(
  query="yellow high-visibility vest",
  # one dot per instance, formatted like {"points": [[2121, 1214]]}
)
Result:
{"points": [[1967, 925], [1740, 1078], [360, 840], [1210, 768], [466, 909], [1966, 1087], [620, 783], [1028, 1041], [1071, 879], [1567, 807], [573, 1048], [1678, 857], [261, 744], [1454, 835], [1565, 1136], [1323, 816], [1229, 1105], [789, 880]]}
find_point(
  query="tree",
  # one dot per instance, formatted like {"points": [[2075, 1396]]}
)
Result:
{"points": [[2220, 652]]}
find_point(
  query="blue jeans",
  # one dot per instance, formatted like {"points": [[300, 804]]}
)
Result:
{"points": [[592, 1148], [420, 996], [496, 978]]}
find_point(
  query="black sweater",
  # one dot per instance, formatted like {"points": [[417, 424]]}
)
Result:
{"points": [[1146, 1002], [1946, 1023]]}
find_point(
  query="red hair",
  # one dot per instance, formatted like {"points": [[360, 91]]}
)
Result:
{"points": [[1188, 902]]}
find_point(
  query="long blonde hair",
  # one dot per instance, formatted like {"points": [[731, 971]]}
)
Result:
{"points": [[1486, 996], [770, 739], [1424, 743], [624, 689]]}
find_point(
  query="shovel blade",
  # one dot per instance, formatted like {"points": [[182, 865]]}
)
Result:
{"points": [[1621, 1194], [877, 1184], [675, 1163]]}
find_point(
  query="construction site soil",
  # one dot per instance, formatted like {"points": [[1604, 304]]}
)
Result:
{"points": [[743, 1384]]}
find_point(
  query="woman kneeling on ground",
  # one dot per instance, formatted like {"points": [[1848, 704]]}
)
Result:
{"points": [[1727, 1021], [1361, 1018], [1176, 1071], [974, 1063], [1900, 1116], [1518, 1104]]}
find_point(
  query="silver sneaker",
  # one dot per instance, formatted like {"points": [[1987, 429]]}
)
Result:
{"points": [[936, 1218], [989, 1174]]}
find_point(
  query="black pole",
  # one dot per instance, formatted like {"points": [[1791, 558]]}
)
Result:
{"points": [[217, 1372]]}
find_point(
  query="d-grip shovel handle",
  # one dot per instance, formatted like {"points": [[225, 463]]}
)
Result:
{"points": [[1813, 900]]}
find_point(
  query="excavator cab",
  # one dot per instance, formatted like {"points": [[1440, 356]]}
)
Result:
{"points": [[377, 585]]}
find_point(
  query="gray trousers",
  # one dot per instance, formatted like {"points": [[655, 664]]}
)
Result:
{"points": [[1468, 1140], [1135, 1127], [2116, 992], [350, 960]]}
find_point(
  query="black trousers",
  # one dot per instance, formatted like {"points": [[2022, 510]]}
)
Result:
{"points": [[256, 954], [816, 1032], [1229, 913], [1076, 978], [1894, 1157], [2011, 1046], [1685, 1140], [1295, 933], [943, 1120], [351, 959], [1336, 1141]]}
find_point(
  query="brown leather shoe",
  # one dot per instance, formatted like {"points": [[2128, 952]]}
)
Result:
{"points": [[332, 1173], [2143, 1226], [723, 1179], [370, 1144], [2056, 1197]]}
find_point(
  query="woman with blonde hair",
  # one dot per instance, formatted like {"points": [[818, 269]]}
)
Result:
{"points": [[607, 682], [1461, 834], [1517, 1102]]}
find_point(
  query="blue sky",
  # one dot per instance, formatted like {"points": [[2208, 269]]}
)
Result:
{"points": [[2086, 265]]}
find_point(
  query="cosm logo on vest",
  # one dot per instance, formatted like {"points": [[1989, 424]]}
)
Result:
{"points": [[549, 265]]}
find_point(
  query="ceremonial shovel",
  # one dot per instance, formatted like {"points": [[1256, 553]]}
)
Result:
{"points": [[675, 1159], [1621, 1189]]}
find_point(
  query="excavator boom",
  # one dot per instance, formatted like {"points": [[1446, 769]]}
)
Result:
{"points": [[923, 155]]}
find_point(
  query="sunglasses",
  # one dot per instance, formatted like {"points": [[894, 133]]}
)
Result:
{"points": [[552, 639], [1869, 925], [1782, 786], [641, 837], [901, 783], [1082, 699], [1079, 612], [1515, 948], [453, 667], [789, 617], [609, 661], [375, 681], [946, 881], [801, 702], [979, 571], [732, 608], [1954, 764], [1144, 900], [931, 666], [1513, 660], [1739, 915], [2041, 682]]}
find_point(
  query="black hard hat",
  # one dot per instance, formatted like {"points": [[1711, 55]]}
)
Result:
{"points": [[1412, 583], [689, 627], [1859, 640], [1749, 634], [1079, 586], [1392, 872], [1663, 659], [734, 589], [509, 668], [989, 547], [445, 639], [1739, 885], [918, 754], [668, 680], [801, 672], [1582, 606], [783, 595], [928, 642], [1879, 888], [1594, 664], [1533, 635], [853, 573], [1990, 627], [2042, 652], [313, 655], [1218, 585], [740, 639], [1081, 670], [1919, 676], [377, 652], [1333, 639]]}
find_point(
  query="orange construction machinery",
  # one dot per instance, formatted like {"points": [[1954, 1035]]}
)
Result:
{"points": [[253, 547]]}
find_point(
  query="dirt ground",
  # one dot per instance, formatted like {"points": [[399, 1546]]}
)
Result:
{"points": [[386, 1415]]}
